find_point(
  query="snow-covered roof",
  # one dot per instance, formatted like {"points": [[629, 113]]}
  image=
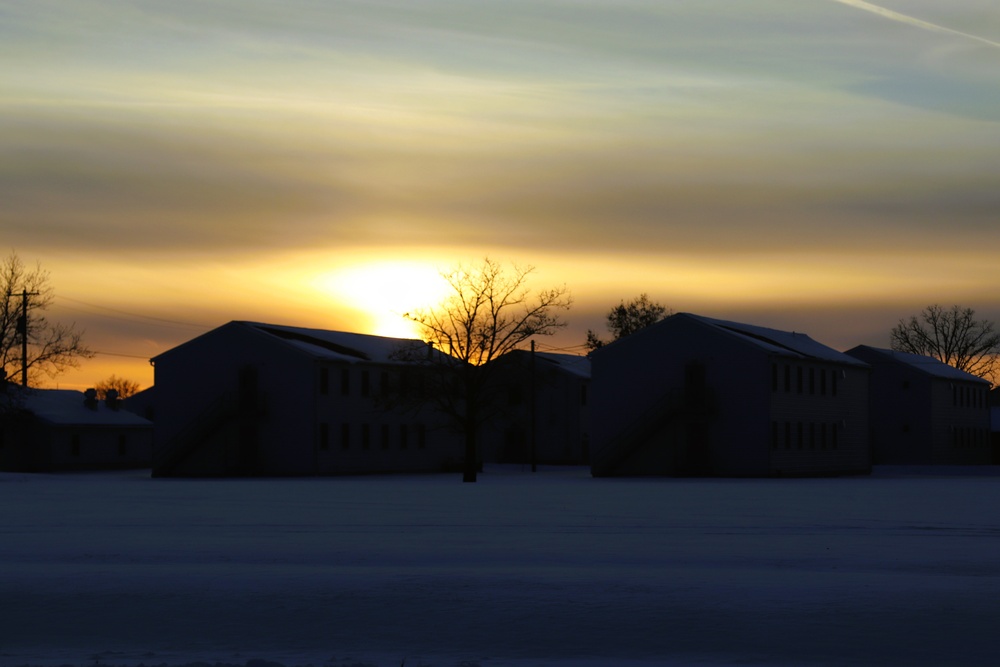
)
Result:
{"points": [[571, 363], [787, 343], [337, 345], [69, 408], [926, 364]]}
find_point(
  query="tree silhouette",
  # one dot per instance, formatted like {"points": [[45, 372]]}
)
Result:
{"points": [[951, 335], [627, 318], [489, 312], [51, 348], [123, 386]]}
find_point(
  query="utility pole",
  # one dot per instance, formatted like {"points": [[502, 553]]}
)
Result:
{"points": [[22, 329]]}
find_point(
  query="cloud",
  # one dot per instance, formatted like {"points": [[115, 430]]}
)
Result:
{"points": [[910, 20]]}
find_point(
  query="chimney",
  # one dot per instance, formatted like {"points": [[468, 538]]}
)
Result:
{"points": [[90, 398], [111, 398]]}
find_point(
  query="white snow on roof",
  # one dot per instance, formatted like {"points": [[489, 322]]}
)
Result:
{"points": [[571, 363], [929, 365], [338, 345], [67, 407], [779, 342]]}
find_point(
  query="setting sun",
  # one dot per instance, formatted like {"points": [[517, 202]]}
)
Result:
{"points": [[385, 291]]}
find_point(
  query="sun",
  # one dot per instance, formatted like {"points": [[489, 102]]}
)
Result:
{"points": [[385, 290]]}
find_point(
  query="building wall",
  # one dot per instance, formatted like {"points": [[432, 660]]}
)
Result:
{"points": [[960, 423], [819, 417]]}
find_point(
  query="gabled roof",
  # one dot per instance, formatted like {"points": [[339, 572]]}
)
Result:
{"points": [[338, 345], [786, 343], [69, 408], [924, 364]]}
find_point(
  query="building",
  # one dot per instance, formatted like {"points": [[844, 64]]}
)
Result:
{"points": [[542, 411], [692, 395], [47, 430], [261, 399], [924, 411]]}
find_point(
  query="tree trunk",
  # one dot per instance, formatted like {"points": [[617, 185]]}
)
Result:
{"points": [[470, 466]]}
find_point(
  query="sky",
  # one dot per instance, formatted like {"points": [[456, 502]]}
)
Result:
{"points": [[825, 166]]}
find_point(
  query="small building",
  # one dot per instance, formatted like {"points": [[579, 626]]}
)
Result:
{"points": [[49, 430], [542, 411], [924, 411], [261, 399], [693, 395]]}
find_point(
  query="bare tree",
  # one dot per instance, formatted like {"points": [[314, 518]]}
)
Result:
{"points": [[627, 318], [951, 335], [123, 386], [31, 345], [489, 312]]}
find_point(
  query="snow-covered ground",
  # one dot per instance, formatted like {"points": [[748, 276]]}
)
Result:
{"points": [[555, 568]]}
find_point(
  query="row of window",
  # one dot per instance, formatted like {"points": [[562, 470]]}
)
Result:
{"points": [[76, 449], [408, 382], [968, 397], [967, 437], [803, 379], [799, 435], [402, 436]]}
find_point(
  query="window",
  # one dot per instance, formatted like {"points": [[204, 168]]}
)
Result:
{"points": [[345, 436], [365, 383], [345, 382], [583, 394], [774, 435], [788, 435], [798, 378], [324, 381], [324, 435], [788, 378], [74, 446], [812, 380], [122, 444], [812, 436], [366, 436], [404, 436], [799, 429], [822, 435], [774, 376], [384, 383], [822, 381], [421, 436], [833, 436], [833, 382], [385, 436]]}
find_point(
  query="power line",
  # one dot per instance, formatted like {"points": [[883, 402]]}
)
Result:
{"points": [[129, 314], [118, 354]]}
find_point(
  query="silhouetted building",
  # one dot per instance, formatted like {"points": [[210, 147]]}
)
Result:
{"points": [[924, 411], [262, 399], [542, 411], [692, 395], [44, 430]]}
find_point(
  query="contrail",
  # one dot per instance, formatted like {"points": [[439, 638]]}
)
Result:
{"points": [[903, 18]]}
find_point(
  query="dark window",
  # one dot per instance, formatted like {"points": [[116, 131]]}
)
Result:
{"points": [[421, 436], [833, 382], [788, 435], [798, 378], [324, 381], [365, 383], [384, 383], [324, 435], [74, 446], [812, 380], [345, 436], [774, 435], [812, 436], [385, 436], [122, 445], [788, 377], [822, 435], [906, 384], [404, 436], [345, 381], [822, 381], [366, 436], [583, 394], [833, 436], [799, 429], [774, 376]]}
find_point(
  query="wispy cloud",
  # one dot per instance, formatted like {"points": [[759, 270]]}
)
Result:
{"points": [[910, 20]]}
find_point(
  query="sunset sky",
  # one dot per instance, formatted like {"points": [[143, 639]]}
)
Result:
{"points": [[826, 166]]}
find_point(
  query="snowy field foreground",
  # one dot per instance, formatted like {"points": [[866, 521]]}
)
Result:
{"points": [[551, 569]]}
